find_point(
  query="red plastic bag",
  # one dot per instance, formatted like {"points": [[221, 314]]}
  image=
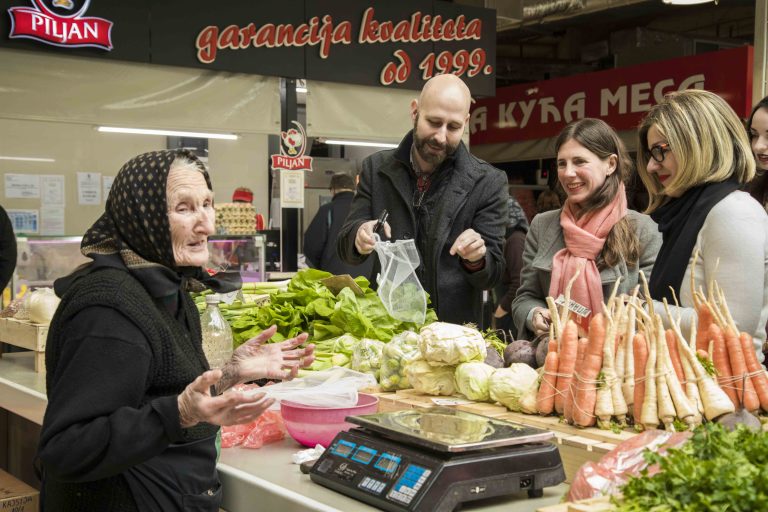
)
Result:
{"points": [[615, 467], [267, 428]]}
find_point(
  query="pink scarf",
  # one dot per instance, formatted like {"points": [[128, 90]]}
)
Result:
{"points": [[584, 240]]}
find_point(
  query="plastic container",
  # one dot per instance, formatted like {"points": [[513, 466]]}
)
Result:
{"points": [[311, 425], [217, 334]]}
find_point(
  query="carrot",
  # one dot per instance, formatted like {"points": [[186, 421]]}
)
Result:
{"points": [[744, 387], [705, 320], [640, 352], [683, 408], [568, 349], [568, 402], [586, 390], [759, 377], [674, 355], [545, 399], [722, 361], [552, 347]]}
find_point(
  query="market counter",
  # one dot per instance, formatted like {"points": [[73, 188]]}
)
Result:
{"points": [[263, 479]]}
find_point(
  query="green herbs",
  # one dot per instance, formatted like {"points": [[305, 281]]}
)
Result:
{"points": [[715, 470]]}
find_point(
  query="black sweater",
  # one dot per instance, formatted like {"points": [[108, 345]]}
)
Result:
{"points": [[115, 366]]}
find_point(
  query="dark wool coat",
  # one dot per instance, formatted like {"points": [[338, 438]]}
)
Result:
{"points": [[473, 194]]}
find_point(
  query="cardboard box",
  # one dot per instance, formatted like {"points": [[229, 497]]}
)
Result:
{"points": [[16, 496]]}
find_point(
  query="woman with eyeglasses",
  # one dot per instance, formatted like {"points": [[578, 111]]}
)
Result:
{"points": [[594, 231], [694, 157], [757, 128]]}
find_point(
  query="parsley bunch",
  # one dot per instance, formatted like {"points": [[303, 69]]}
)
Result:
{"points": [[715, 470]]}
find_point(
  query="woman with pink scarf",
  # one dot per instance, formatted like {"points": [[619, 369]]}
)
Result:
{"points": [[594, 229]]}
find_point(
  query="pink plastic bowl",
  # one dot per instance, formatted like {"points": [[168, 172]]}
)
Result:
{"points": [[311, 426]]}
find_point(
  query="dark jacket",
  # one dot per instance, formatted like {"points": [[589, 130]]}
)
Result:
{"points": [[470, 194], [320, 239], [111, 437], [510, 281], [7, 249]]}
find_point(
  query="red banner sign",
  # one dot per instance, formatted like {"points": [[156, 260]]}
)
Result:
{"points": [[42, 24], [620, 97]]}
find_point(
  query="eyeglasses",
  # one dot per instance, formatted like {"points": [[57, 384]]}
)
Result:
{"points": [[659, 151]]}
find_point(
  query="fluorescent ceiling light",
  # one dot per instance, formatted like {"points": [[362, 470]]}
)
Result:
{"points": [[362, 143], [26, 159], [301, 89], [688, 2], [143, 131]]}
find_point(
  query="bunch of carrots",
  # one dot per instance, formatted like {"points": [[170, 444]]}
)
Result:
{"points": [[629, 365]]}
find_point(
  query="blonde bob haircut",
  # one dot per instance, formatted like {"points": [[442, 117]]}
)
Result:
{"points": [[705, 135]]}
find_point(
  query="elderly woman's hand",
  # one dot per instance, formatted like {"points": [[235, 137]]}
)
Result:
{"points": [[233, 408], [540, 321]]}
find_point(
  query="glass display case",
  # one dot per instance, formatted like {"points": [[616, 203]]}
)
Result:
{"points": [[42, 259], [245, 253]]}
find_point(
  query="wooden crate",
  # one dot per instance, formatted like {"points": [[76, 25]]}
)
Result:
{"points": [[25, 334], [601, 504]]}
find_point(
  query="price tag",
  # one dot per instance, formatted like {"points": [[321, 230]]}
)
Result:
{"points": [[574, 307], [451, 401]]}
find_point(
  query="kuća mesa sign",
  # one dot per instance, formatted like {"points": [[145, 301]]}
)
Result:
{"points": [[60, 23]]}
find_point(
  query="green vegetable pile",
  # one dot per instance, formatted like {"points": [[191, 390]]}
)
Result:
{"points": [[309, 306], [715, 470]]}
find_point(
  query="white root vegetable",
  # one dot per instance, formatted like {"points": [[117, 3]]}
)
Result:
{"points": [[667, 411], [683, 406], [649, 416], [628, 385], [604, 401], [619, 404]]}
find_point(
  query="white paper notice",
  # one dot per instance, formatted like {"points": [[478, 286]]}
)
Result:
{"points": [[51, 220], [22, 186], [24, 221], [89, 188], [107, 182], [52, 190], [291, 189]]}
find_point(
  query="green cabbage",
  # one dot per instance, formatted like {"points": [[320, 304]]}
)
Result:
{"points": [[509, 386], [431, 380], [472, 380], [445, 343]]}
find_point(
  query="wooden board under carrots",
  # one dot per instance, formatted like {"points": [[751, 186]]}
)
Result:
{"points": [[25, 334]]}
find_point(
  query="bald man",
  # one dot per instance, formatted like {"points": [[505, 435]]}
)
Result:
{"points": [[452, 204]]}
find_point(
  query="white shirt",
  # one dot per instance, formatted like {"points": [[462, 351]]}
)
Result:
{"points": [[733, 250]]}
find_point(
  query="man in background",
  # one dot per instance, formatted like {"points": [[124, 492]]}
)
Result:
{"points": [[320, 238], [453, 205], [7, 250]]}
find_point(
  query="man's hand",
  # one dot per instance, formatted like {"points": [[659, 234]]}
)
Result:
{"points": [[469, 245], [364, 239], [500, 312], [234, 408]]}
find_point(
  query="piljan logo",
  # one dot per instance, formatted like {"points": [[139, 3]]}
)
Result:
{"points": [[293, 144], [60, 23]]}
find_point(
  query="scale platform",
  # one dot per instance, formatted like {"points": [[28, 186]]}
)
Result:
{"points": [[435, 459]]}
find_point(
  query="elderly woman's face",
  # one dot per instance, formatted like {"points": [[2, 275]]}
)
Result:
{"points": [[191, 215]]}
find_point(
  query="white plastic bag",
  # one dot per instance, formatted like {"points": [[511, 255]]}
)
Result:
{"points": [[336, 387], [399, 286]]}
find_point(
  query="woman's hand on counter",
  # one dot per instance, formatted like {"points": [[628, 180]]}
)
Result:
{"points": [[197, 405]]}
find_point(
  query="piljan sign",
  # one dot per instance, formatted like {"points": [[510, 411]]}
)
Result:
{"points": [[60, 23], [292, 148]]}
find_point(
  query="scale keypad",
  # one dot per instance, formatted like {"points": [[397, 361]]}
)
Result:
{"points": [[373, 485], [409, 483]]}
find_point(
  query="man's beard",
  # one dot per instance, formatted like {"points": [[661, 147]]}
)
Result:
{"points": [[423, 146]]}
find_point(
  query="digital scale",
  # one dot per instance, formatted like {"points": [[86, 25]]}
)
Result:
{"points": [[435, 459]]}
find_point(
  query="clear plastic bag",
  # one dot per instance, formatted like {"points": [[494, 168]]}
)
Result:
{"points": [[399, 286], [366, 356], [336, 387], [401, 350]]}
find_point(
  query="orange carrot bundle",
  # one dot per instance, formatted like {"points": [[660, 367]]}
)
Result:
{"points": [[755, 369], [722, 361], [702, 329], [552, 346], [674, 354], [567, 361], [568, 402], [744, 387], [586, 379], [545, 398], [640, 353]]}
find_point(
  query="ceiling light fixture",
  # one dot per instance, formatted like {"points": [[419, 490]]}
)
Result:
{"points": [[26, 159], [362, 143], [688, 2], [173, 133], [301, 89]]}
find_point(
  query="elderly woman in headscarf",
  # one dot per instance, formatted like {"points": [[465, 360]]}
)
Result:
{"points": [[517, 228], [133, 408]]}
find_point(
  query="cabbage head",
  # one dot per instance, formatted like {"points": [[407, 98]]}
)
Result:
{"points": [[472, 380], [508, 386], [430, 380], [444, 343]]}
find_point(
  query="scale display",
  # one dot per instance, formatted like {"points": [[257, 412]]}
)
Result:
{"points": [[450, 430]]}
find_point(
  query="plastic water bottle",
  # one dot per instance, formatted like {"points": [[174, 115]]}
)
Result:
{"points": [[217, 335]]}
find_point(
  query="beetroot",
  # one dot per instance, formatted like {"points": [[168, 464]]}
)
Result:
{"points": [[520, 351]]}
